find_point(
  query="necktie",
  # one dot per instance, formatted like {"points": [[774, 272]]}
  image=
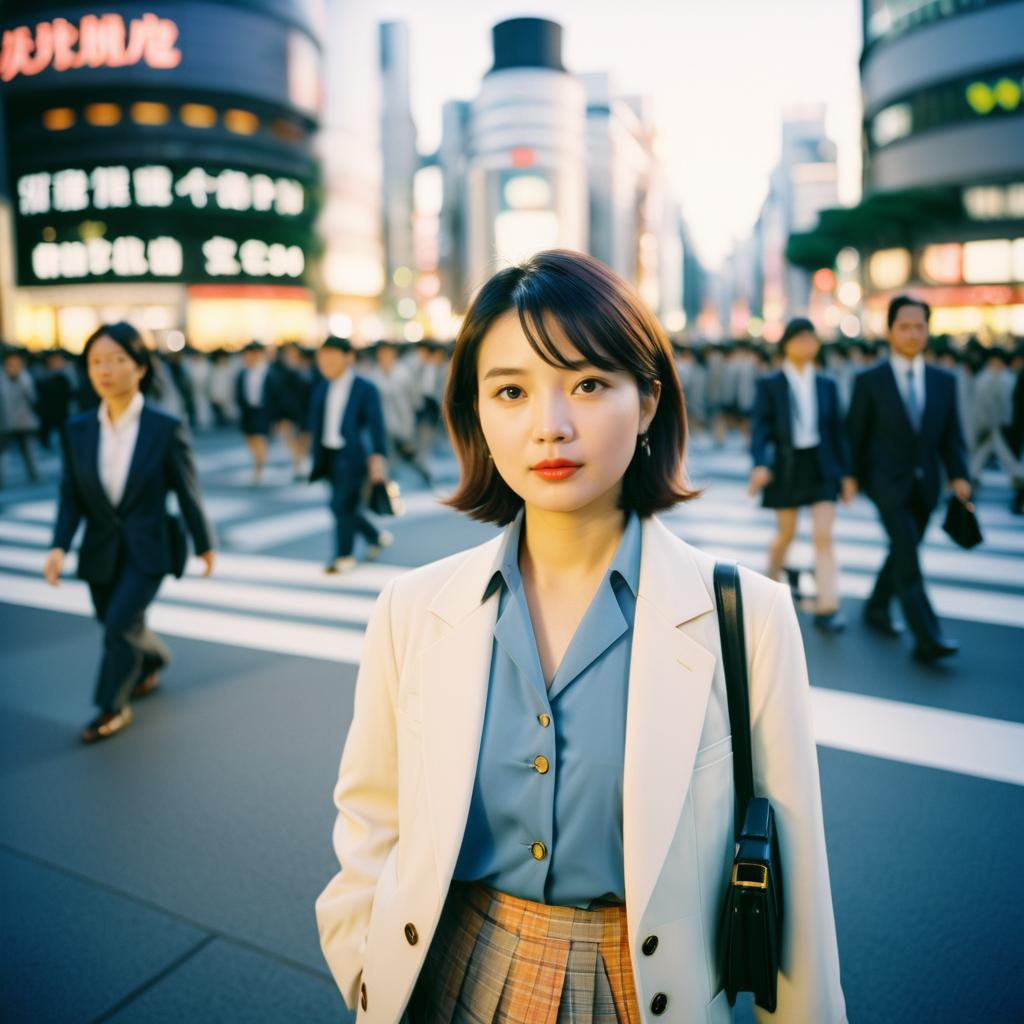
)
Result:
{"points": [[913, 407]]}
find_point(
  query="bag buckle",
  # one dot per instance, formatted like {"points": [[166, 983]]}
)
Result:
{"points": [[748, 875]]}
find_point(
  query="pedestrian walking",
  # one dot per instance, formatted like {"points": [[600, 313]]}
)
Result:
{"points": [[346, 408], [55, 389], [224, 372], [801, 460], [256, 401], [398, 396], [119, 465], [904, 429], [19, 422], [293, 388], [537, 783], [993, 417]]}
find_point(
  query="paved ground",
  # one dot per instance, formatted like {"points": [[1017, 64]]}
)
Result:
{"points": [[170, 875]]}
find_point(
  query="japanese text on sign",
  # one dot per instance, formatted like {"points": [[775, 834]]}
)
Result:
{"points": [[130, 256], [107, 188], [102, 41]]}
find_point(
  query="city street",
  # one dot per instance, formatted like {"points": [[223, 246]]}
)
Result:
{"points": [[170, 874]]}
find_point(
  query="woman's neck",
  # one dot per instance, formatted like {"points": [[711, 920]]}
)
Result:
{"points": [[559, 549], [117, 405]]}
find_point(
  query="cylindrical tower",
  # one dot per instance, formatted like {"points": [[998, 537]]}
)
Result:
{"points": [[526, 183]]}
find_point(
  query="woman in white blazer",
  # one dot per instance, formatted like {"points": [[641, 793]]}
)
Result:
{"points": [[566, 414]]}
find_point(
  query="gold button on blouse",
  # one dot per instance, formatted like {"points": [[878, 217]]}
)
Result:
{"points": [[539, 851], [545, 720], [540, 762]]}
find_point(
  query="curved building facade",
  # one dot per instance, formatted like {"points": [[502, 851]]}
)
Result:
{"points": [[943, 90], [526, 174], [161, 167]]}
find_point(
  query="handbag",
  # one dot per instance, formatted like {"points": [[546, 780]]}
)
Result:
{"points": [[177, 544], [385, 499], [751, 932], [961, 524]]}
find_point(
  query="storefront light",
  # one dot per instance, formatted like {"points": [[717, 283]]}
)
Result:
{"points": [[940, 264], [987, 262], [1017, 261], [848, 260], [412, 331], [849, 293], [889, 268]]}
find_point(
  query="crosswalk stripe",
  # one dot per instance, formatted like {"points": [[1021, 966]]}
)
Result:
{"points": [[327, 643], [910, 733], [936, 738]]}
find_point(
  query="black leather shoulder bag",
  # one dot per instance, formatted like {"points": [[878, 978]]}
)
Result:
{"points": [[751, 930]]}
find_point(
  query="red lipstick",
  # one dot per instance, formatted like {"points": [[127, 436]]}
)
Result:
{"points": [[555, 469]]}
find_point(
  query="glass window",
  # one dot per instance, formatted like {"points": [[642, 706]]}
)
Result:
{"points": [[198, 115], [241, 122], [150, 113], [103, 115], [58, 119]]}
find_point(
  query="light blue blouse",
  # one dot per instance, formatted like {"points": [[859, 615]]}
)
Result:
{"points": [[545, 821]]}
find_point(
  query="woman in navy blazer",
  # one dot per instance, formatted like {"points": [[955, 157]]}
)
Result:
{"points": [[801, 460], [119, 463]]}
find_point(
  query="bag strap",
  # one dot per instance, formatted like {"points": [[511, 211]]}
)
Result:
{"points": [[734, 659]]}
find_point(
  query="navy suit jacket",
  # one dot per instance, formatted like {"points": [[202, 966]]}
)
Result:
{"points": [[162, 462], [362, 415], [888, 454], [771, 426]]}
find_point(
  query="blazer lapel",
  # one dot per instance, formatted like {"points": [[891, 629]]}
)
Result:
{"points": [[453, 676], [140, 455], [669, 682]]}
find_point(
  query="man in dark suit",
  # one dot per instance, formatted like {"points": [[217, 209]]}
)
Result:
{"points": [[345, 407], [904, 430]]}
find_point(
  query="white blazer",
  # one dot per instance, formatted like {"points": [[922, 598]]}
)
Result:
{"points": [[409, 763]]}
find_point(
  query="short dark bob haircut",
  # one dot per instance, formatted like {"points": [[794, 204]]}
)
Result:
{"points": [[613, 330], [906, 300], [123, 334]]}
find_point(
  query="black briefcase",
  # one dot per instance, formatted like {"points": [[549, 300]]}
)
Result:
{"points": [[385, 499], [961, 524]]}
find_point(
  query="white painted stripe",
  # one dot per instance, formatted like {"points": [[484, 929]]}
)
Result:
{"points": [[910, 733], [367, 578], [327, 643], [951, 563], [935, 738], [25, 533]]}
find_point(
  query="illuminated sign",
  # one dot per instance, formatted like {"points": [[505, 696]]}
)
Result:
{"points": [[165, 257], [75, 190], [988, 261], [98, 41]]}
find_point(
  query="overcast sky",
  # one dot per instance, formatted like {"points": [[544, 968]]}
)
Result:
{"points": [[719, 73]]}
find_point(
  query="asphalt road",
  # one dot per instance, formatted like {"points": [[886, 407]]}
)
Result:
{"points": [[170, 875]]}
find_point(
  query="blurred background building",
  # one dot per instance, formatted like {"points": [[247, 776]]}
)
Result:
{"points": [[161, 168], [943, 206]]}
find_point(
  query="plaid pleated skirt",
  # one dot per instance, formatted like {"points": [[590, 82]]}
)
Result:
{"points": [[498, 959]]}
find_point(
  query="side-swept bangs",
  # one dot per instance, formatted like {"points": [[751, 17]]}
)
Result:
{"points": [[613, 330]]}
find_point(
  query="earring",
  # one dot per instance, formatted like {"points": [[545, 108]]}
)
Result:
{"points": [[645, 444]]}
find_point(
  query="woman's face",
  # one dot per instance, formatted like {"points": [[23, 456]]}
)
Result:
{"points": [[112, 372], [531, 413]]}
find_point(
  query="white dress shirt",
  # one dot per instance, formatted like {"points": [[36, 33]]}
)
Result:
{"points": [[803, 404], [901, 367], [254, 378], [117, 444], [334, 410]]}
